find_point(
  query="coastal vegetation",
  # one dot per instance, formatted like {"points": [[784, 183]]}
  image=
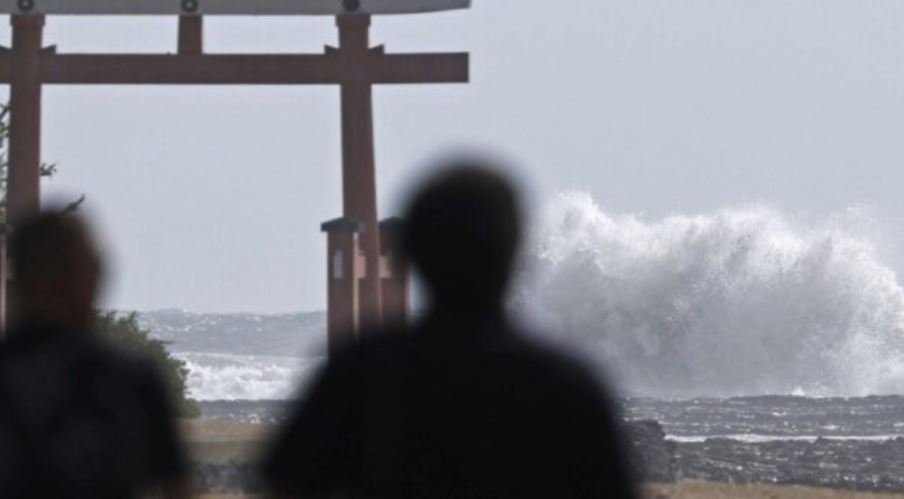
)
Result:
{"points": [[122, 331]]}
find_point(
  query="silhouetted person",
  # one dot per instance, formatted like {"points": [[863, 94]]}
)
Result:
{"points": [[76, 418], [461, 406]]}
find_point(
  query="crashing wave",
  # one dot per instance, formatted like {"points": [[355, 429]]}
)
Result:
{"points": [[215, 376], [741, 301]]}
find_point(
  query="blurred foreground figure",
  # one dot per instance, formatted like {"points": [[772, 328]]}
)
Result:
{"points": [[76, 419], [461, 406]]}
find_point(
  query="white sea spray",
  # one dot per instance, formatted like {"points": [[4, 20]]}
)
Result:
{"points": [[214, 376], [741, 301]]}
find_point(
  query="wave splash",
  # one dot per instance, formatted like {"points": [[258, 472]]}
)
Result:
{"points": [[216, 376], [742, 301]]}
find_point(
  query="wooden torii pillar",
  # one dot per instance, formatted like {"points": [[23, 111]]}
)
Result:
{"points": [[354, 65]]}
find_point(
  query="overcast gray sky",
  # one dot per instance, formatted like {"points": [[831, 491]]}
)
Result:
{"points": [[211, 198]]}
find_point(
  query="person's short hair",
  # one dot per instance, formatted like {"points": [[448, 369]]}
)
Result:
{"points": [[50, 247], [462, 230]]}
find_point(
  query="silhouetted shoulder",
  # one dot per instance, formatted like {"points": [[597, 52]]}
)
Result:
{"points": [[78, 415], [430, 414], [496, 347]]}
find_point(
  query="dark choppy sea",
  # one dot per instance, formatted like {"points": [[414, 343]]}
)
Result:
{"points": [[852, 443], [242, 367], [744, 419]]}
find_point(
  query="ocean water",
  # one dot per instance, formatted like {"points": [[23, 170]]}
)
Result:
{"points": [[236, 357], [745, 323], [770, 348], [743, 301], [220, 376], [747, 420], [765, 419]]}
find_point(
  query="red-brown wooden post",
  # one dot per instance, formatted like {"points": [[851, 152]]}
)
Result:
{"points": [[23, 191], [358, 164], [354, 65], [343, 275], [191, 35], [395, 282], [23, 195]]}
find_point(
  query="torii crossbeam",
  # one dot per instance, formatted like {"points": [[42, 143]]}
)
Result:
{"points": [[354, 65]]}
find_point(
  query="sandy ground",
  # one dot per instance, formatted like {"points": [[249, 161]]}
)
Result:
{"points": [[702, 490], [207, 430]]}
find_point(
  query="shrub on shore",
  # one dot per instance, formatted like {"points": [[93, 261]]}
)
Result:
{"points": [[124, 332]]}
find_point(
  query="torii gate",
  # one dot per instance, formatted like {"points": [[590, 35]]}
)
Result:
{"points": [[366, 282]]}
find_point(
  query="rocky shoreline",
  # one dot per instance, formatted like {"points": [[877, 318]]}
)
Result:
{"points": [[847, 464], [225, 457], [861, 465]]}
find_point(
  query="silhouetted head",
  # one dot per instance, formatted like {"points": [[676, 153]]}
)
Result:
{"points": [[462, 232], [56, 272]]}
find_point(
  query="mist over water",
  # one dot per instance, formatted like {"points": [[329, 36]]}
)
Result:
{"points": [[741, 301]]}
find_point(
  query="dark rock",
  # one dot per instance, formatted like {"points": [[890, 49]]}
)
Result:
{"points": [[226, 478], [837, 463], [654, 456]]}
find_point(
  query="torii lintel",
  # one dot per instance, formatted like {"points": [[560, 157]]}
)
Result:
{"points": [[191, 66], [354, 65], [228, 7]]}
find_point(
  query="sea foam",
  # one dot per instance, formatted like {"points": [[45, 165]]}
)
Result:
{"points": [[741, 301], [215, 376]]}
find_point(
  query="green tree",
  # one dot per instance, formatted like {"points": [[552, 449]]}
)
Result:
{"points": [[122, 332]]}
